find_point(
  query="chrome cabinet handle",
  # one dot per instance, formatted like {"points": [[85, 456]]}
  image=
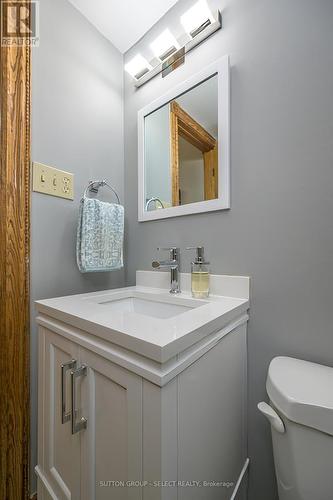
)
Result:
{"points": [[65, 416], [82, 423]]}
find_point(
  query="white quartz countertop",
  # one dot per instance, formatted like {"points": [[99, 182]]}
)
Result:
{"points": [[157, 338]]}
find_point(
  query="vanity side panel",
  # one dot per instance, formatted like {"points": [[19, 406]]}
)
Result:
{"points": [[160, 440], [212, 412]]}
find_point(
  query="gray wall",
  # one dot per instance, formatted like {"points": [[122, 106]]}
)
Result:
{"points": [[279, 229], [77, 115]]}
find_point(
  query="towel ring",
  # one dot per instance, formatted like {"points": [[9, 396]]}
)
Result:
{"points": [[94, 186]]}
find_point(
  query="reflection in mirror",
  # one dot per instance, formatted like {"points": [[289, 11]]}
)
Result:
{"points": [[181, 149]]}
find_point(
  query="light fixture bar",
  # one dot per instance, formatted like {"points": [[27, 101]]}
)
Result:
{"points": [[168, 53], [202, 32], [141, 73], [200, 28]]}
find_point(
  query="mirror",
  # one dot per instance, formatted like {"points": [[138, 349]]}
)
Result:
{"points": [[181, 158], [183, 148]]}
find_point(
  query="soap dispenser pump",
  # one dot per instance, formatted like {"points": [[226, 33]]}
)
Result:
{"points": [[199, 274]]}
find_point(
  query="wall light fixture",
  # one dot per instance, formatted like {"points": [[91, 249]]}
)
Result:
{"points": [[198, 22]]}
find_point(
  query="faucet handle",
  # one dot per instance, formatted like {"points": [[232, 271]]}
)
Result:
{"points": [[174, 252], [167, 248]]}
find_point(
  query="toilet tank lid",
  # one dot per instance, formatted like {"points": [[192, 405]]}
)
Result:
{"points": [[302, 391]]}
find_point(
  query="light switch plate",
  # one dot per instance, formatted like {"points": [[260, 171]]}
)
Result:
{"points": [[51, 181]]}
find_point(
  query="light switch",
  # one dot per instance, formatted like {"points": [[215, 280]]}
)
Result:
{"points": [[50, 180]]}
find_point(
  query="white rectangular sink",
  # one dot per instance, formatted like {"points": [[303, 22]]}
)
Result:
{"points": [[131, 302], [152, 308]]}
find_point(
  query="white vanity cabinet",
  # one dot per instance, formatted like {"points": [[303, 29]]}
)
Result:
{"points": [[115, 424], [76, 463]]}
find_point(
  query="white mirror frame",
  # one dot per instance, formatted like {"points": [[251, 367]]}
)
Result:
{"points": [[221, 69]]}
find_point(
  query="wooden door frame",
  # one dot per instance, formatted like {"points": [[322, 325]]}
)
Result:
{"points": [[184, 125], [15, 74]]}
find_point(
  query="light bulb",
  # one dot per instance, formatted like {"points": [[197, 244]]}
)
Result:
{"points": [[197, 18], [137, 66], [164, 45]]}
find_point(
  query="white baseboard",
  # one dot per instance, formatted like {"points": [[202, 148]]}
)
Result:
{"points": [[240, 479], [233, 496], [45, 483]]}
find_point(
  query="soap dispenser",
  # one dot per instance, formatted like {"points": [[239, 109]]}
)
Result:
{"points": [[199, 274]]}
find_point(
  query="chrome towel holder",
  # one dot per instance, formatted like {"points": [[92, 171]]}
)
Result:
{"points": [[94, 186]]}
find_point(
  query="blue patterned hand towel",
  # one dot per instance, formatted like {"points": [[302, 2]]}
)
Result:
{"points": [[100, 236]]}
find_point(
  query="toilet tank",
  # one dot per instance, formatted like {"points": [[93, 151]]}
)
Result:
{"points": [[302, 394]]}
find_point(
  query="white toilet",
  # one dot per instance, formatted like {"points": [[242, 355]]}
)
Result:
{"points": [[301, 417]]}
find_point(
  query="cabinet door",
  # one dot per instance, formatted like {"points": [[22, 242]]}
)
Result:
{"points": [[59, 453], [111, 400]]}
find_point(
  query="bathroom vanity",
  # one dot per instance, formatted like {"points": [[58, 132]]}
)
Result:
{"points": [[142, 394]]}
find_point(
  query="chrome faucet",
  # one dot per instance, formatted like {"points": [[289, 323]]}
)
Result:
{"points": [[173, 264]]}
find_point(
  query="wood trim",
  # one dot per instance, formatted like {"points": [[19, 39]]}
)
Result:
{"points": [[211, 182], [183, 125], [174, 151], [15, 69], [191, 130]]}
